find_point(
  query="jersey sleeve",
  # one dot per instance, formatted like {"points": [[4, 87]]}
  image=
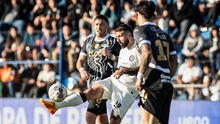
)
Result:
{"points": [[140, 37]]}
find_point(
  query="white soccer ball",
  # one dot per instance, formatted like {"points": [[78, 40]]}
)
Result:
{"points": [[57, 92]]}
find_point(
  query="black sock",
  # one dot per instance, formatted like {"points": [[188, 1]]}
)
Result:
{"points": [[83, 97]]}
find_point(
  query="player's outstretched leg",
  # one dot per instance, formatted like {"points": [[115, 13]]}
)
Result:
{"points": [[74, 99], [49, 105]]}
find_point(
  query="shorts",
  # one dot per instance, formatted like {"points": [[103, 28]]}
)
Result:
{"points": [[159, 93], [97, 107], [122, 95]]}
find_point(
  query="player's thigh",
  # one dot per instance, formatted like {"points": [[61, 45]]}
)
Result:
{"points": [[114, 120], [102, 119], [122, 99], [147, 117], [90, 118], [95, 92]]}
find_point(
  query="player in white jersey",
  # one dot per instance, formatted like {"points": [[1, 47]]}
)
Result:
{"points": [[119, 87]]}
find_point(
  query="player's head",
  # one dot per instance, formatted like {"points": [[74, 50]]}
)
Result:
{"points": [[146, 9], [123, 33], [101, 25]]}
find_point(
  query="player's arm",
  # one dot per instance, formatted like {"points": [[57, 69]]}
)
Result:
{"points": [[125, 70], [130, 71], [106, 52], [173, 65], [172, 59], [146, 52], [80, 67]]}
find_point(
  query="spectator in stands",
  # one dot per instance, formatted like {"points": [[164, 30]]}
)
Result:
{"points": [[204, 59], [189, 73], [214, 41], [207, 80], [193, 43], [53, 12], [38, 14], [13, 44], [8, 79], [181, 15], [72, 56], [48, 41], [90, 12], [214, 46], [74, 13], [112, 11], [202, 11], [45, 78], [215, 90], [4, 9], [85, 31], [30, 39], [68, 37], [30, 36], [127, 14], [15, 15], [28, 79], [163, 24], [213, 13], [38, 9], [54, 26]]}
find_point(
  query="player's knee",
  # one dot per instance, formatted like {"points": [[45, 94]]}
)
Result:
{"points": [[89, 93], [102, 119], [115, 119], [94, 93], [90, 118]]}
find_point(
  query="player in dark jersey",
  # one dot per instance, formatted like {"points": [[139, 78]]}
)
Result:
{"points": [[96, 62], [158, 65]]}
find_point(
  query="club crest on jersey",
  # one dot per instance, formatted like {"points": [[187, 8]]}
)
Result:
{"points": [[131, 58], [97, 46]]}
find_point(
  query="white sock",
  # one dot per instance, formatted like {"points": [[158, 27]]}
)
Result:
{"points": [[72, 100]]}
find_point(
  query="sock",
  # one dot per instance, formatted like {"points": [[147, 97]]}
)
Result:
{"points": [[83, 97], [72, 100]]}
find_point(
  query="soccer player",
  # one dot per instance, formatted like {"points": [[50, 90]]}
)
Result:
{"points": [[119, 87], [96, 62], [157, 67]]}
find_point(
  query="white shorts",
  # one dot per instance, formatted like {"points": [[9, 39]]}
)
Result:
{"points": [[122, 96]]}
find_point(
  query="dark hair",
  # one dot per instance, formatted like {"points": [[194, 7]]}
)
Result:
{"points": [[146, 8], [215, 27], [191, 57], [124, 27], [102, 17]]}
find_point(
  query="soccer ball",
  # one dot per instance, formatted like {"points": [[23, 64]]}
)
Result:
{"points": [[57, 92]]}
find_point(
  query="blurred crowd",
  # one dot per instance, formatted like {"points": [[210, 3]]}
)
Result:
{"points": [[29, 31]]}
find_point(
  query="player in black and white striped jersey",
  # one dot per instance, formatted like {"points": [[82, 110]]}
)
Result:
{"points": [[96, 62]]}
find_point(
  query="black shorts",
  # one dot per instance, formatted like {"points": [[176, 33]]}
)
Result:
{"points": [[97, 107], [160, 94]]}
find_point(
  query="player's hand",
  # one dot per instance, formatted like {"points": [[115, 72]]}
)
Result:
{"points": [[118, 73], [144, 94], [106, 52], [138, 83], [84, 75]]}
